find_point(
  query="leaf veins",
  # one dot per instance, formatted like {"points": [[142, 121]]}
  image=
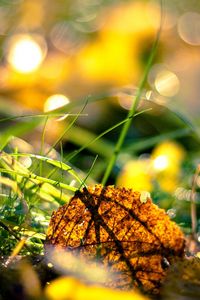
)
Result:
{"points": [[136, 240]]}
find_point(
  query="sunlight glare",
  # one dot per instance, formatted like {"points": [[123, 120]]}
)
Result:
{"points": [[161, 162], [25, 54], [189, 28], [167, 83], [26, 161], [54, 102]]}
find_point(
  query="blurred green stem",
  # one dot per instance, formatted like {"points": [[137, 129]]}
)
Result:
{"points": [[132, 111], [43, 142]]}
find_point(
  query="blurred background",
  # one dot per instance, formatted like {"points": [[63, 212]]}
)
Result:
{"points": [[59, 54]]}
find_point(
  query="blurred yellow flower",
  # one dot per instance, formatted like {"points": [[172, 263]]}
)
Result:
{"points": [[57, 68], [166, 159], [108, 60], [65, 288], [128, 18], [136, 174], [31, 90], [168, 182], [164, 167], [30, 98], [115, 56]]}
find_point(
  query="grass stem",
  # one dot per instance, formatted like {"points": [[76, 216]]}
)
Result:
{"points": [[132, 111]]}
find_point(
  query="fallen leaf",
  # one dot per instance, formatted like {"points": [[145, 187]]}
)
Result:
{"points": [[135, 240]]}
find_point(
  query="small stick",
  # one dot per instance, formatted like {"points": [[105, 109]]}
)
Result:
{"points": [[16, 250], [193, 203], [21, 243]]}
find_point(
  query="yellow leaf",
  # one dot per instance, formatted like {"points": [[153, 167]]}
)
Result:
{"points": [[131, 238]]}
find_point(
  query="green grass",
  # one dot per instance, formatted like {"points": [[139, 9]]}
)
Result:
{"points": [[29, 195]]}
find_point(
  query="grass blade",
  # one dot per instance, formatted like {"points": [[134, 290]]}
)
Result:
{"points": [[56, 163], [74, 153], [45, 188], [132, 111]]}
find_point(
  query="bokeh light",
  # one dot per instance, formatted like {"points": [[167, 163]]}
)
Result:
{"points": [[168, 155], [63, 37], [189, 28], [167, 158], [125, 100], [25, 53], [55, 101], [183, 194], [171, 213], [167, 83], [26, 161], [161, 162]]}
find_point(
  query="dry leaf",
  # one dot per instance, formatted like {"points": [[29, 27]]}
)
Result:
{"points": [[136, 240]]}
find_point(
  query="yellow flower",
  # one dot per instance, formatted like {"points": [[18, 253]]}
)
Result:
{"points": [[168, 183], [115, 56], [65, 288], [128, 19], [136, 174], [164, 166], [166, 159], [108, 60]]}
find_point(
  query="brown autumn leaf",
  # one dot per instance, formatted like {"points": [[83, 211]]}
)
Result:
{"points": [[135, 238]]}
